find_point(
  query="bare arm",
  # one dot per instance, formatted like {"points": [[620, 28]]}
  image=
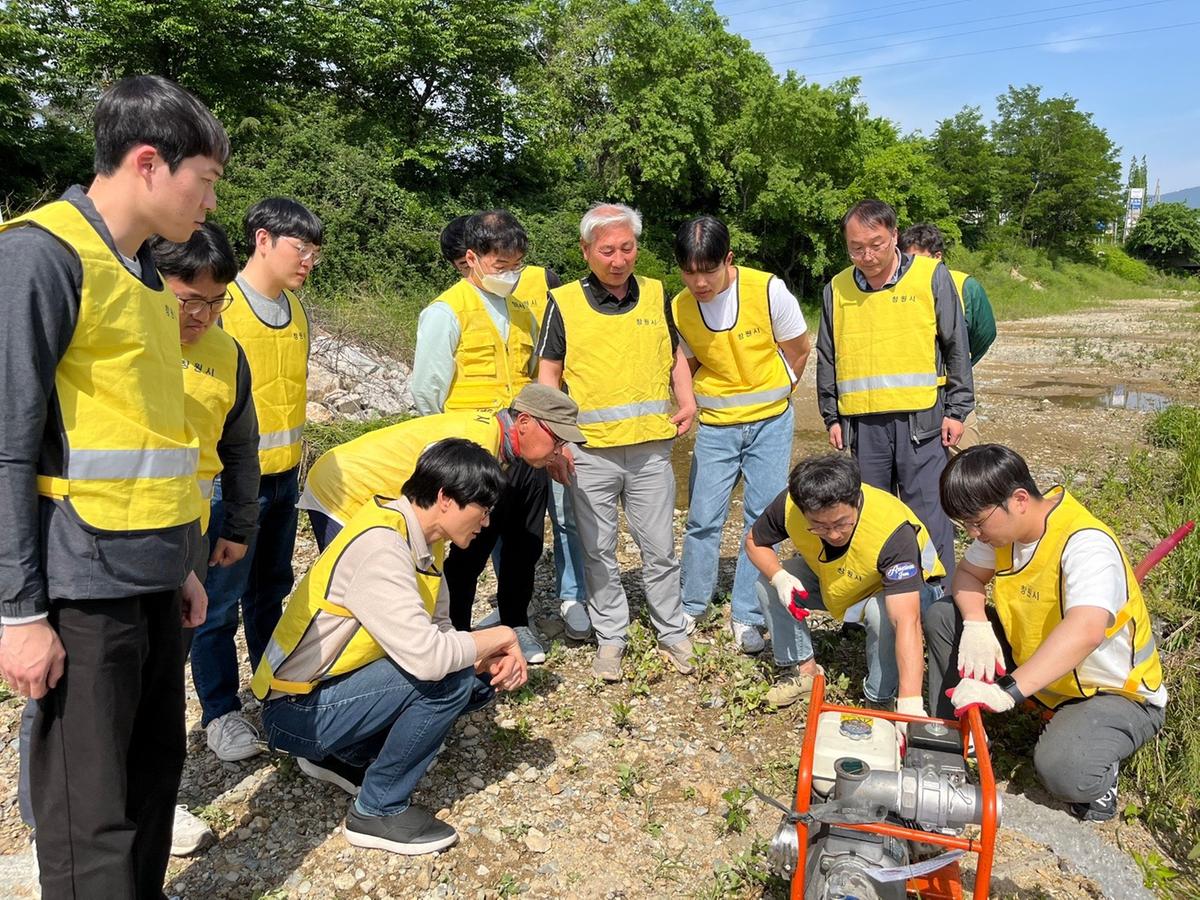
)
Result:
{"points": [[904, 611], [796, 352], [685, 396], [765, 559], [550, 372], [1072, 641]]}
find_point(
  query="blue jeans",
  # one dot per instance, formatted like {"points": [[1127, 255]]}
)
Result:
{"points": [[260, 581], [568, 558], [379, 717], [760, 453], [791, 641]]}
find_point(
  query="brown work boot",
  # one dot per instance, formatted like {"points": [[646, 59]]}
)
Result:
{"points": [[607, 664], [790, 686], [679, 655]]}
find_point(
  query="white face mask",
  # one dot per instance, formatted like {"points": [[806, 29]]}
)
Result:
{"points": [[502, 284]]}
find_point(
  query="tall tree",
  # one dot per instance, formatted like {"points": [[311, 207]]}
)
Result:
{"points": [[1167, 234], [1061, 175], [969, 171]]}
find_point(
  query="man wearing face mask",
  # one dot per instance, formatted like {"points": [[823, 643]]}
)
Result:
{"points": [[475, 353]]}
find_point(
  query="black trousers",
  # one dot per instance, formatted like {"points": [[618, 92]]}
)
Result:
{"points": [[107, 749], [518, 523]]}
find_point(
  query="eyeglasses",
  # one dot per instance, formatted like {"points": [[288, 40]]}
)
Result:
{"points": [[196, 305], [978, 524], [839, 526], [871, 250], [487, 510], [306, 251], [559, 443]]}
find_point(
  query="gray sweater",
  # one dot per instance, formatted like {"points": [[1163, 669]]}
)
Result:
{"points": [[45, 550]]}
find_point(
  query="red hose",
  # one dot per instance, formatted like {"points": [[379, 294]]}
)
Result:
{"points": [[1165, 546]]}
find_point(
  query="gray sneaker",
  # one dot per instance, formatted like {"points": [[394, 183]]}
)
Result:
{"points": [[576, 624], [679, 655], [607, 664], [411, 832], [531, 647]]}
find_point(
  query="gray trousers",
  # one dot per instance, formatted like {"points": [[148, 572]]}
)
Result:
{"points": [[641, 479], [892, 461], [1077, 754]]}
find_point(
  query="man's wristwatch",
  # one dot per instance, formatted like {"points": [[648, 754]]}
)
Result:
{"points": [[1008, 684]]}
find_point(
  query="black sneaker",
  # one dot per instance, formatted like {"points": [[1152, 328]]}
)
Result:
{"points": [[349, 778], [412, 832], [1102, 808]]}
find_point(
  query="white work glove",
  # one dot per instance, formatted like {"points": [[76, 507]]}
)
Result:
{"points": [[989, 697], [911, 706], [792, 593], [979, 653]]}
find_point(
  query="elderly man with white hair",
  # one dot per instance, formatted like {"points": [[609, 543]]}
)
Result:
{"points": [[611, 338]]}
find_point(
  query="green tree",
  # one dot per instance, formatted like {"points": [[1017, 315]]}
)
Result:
{"points": [[1166, 235], [970, 172], [1060, 170]]}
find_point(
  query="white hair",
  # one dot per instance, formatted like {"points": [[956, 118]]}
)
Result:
{"points": [[607, 215]]}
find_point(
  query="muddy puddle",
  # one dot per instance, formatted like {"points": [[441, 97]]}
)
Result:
{"points": [[1088, 395]]}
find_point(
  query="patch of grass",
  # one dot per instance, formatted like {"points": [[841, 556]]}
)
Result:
{"points": [[745, 873], [508, 886], [508, 739], [1157, 874], [622, 714], [736, 817], [628, 779], [217, 818], [644, 665]]}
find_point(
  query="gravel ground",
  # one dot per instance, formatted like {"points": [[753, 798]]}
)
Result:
{"points": [[575, 790]]}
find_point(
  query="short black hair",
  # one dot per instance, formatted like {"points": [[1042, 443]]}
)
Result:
{"points": [[149, 109], [495, 231], [454, 239], [701, 244], [207, 250], [925, 235], [282, 217], [982, 476], [871, 212], [460, 469], [825, 480]]}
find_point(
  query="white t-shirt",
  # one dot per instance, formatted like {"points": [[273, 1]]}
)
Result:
{"points": [[719, 313], [1093, 574]]}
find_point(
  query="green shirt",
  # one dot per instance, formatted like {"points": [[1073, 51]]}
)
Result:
{"points": [[981, 322]]}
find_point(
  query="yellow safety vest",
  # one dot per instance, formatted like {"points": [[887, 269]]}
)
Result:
{"points": [[129, 457], [379, 462], [618, 367], [532, 290], [742, 375], [488, 371], [210, 391], [1030, 603], [311, 599], [278, 359], [960, 282], [854, 576], [885, 343]]}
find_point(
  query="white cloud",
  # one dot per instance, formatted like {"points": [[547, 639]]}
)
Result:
{"points": [[1073, 40]]}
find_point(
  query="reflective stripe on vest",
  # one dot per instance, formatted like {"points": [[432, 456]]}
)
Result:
{"points": [[618, 367], [533, 290], [741, 376], [489, 371], [210, 392], [278, 360], [854, 576], [129, 457], [1030, 604], [885, 342], [347, 476], [311, 599]]}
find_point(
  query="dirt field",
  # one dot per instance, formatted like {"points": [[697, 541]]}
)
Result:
{"points": [[575, 790]]}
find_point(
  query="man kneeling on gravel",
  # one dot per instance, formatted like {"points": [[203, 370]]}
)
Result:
{"points": [[863, 554], [365, 675], [1069, 627]]}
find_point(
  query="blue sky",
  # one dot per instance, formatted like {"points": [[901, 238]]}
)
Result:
{"points": [[1143, 88]]}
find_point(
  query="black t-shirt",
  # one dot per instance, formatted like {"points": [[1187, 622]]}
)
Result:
{"points": [[552, 344], [899, 562]]}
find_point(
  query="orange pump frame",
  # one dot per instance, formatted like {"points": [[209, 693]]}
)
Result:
{"points": [[945, 883]]}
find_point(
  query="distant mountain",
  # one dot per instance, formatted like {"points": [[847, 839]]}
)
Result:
{"points": [[1190, 196]]}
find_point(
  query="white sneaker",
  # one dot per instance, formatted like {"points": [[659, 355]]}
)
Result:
{"points": [[576, 623], [232, 738], [689, 623], [531, 647], [190, 833], [747, 637]]}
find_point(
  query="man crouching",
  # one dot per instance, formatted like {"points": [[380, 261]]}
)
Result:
{"points": [[365, 675]]}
